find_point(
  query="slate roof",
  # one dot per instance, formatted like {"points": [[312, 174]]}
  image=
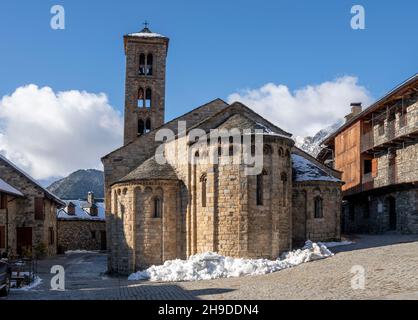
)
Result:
{"points": [[80, 213], [305, 170], [146, 33], [48, 194], [151, 170], [7, 188], [243, 122]]}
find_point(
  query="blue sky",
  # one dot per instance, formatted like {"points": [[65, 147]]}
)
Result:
{"points": [[298, 63], [217, 47]]}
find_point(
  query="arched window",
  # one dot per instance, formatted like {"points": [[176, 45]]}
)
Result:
{"points": [[158, 209], [318, 208], [260, 187], [267, 149], [148, 98], [281, 152], [149, 65], [231, 146], [141, 101], [141, 70], [141, 127], [148, 126], [203, 181]]}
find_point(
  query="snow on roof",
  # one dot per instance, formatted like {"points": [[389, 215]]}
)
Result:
{"points": [[7, 188], [80, 211], [48, 193], [146, 35], [305, 170]]}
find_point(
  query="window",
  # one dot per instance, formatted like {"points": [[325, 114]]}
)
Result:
{"points": [[3, 201], [318, 208], [403, 120], [2, 237], [203, 181], [51, 236], [381, 128], [149, 65], [141, 70], [148, 96], [141, 127], [93, 235], [39, 209], [141, 101], [260, 186], [367, 166], [157, 208]]}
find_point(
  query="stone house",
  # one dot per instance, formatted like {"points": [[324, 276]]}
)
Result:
{"points": [[157, 211], [82, 225], [377, 151], [28, 222]]}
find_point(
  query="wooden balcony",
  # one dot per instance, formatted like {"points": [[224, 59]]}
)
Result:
{"points": [[394, 134]]}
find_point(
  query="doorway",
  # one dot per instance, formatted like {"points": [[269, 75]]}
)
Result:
{"points": [[391, 202], [24, 241], [103, 240]]}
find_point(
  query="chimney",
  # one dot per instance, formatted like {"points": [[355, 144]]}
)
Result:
{"points": [[71, 209], [356, 108], [90, 197]]}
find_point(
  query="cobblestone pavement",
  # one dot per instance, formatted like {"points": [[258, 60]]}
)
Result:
{"points": [[390, 264]]}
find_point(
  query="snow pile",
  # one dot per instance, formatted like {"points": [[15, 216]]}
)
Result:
{"points": [[209, 265], [36, 282], [79, 251]]}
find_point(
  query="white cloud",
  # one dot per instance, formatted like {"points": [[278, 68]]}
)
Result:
{"points": [[52, 134], [305, 111]]}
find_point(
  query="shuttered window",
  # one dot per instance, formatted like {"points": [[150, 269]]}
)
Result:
{"points": [[374, 168], [51, 236], [39, 209], [3, 201], [2, 237]]}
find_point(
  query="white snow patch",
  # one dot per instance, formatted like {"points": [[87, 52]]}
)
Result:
{"points": [[79, 251], [36, 282], [146, 35], [210, 265], [337, 244]]}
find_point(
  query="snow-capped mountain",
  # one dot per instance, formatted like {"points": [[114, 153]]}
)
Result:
{"points": [[312, 145]]}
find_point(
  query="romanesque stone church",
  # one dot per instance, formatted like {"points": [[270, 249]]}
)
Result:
{"points": [[160, 211]]}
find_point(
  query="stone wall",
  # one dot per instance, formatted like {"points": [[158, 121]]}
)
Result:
{"points": [[81, 235], [305, 225], [135, 46], [371, 213], [21, 212]]}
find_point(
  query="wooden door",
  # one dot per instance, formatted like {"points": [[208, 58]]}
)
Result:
{"points": [[24, 240]]}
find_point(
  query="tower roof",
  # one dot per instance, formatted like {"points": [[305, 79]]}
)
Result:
{"points": [[146, 33]]}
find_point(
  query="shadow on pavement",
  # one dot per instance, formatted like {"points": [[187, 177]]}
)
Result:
{"points": [[363, 241]]}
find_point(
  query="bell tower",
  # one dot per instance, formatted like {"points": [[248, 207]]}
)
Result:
{"points": [[146, 54]]}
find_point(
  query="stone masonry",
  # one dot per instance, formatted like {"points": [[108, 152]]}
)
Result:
{"points": [[157, 212]]}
